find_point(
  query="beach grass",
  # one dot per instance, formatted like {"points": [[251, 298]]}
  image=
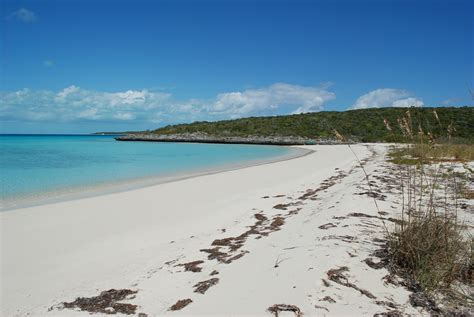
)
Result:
{"points": [[430, 245], [425, 153]]}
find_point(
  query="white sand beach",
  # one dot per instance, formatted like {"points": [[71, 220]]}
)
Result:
{"points": [[289, 223]]}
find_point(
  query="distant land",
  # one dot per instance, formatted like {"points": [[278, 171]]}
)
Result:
{"points": [[364, 125]]}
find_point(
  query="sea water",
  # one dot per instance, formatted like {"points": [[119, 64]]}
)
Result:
{"points": [[35, 167]]}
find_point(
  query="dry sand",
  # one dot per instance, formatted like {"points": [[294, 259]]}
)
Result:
{"points": [[139, 239]]}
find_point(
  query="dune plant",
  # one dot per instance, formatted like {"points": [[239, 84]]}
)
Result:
{"points": [[430, 244]]}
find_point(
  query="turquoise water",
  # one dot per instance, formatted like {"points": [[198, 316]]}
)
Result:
{"points": [[37, 165]]}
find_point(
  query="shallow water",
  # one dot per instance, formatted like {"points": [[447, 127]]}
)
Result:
{"points": [[35, 166]]}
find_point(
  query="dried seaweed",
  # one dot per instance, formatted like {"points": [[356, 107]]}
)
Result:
{"points": [[192, 266], [275, 309], [203, 286], [106, 302], [181, 304], [337, 276]]}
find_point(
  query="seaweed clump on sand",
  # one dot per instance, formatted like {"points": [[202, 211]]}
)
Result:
{"points": [[181, 304], [277, 308], [192, 266], [203, 286], [106, 302]]}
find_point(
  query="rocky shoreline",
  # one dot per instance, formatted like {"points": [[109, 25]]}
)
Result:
{"points": [[205, 138]]}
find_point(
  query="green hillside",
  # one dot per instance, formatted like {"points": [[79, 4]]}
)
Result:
{"points": [[366, 125]]}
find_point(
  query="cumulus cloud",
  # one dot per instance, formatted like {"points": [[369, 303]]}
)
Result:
{"points": [[23, 15], [62, 95], [74, 103], [387, 97], [269, 99]]}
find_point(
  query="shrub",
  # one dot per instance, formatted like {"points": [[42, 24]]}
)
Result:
{"points": [[429, 244]]}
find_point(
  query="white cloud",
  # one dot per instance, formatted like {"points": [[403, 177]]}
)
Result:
{"points": [[23, 15], [74, 103], [452, 101], [387, 97], [408, 102], [66, 92], [270, 99], [124, 116], [129, 97]]}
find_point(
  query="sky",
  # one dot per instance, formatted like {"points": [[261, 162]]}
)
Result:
{"points": [[87, 66]]}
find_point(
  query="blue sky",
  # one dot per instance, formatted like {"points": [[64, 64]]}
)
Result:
{"points": [[84, 66]]}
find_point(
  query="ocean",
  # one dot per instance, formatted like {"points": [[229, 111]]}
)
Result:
{"points": [[37, 169]]}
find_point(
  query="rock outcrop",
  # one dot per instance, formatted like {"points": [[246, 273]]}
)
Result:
{"points": [[205, 138]]}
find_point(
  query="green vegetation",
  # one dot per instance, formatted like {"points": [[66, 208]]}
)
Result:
{"points": [[426, 153], [365, 125], [432, 249], [430, 244]]}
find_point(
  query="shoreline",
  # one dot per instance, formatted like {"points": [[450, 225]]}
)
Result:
{"points": [[112, 187], [198, 137], [231, 243]]}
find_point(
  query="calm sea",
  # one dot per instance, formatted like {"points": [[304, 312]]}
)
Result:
{"points": [[38, 167]]}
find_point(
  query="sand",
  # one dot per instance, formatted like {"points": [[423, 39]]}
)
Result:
{"points": [[138, 240]]}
